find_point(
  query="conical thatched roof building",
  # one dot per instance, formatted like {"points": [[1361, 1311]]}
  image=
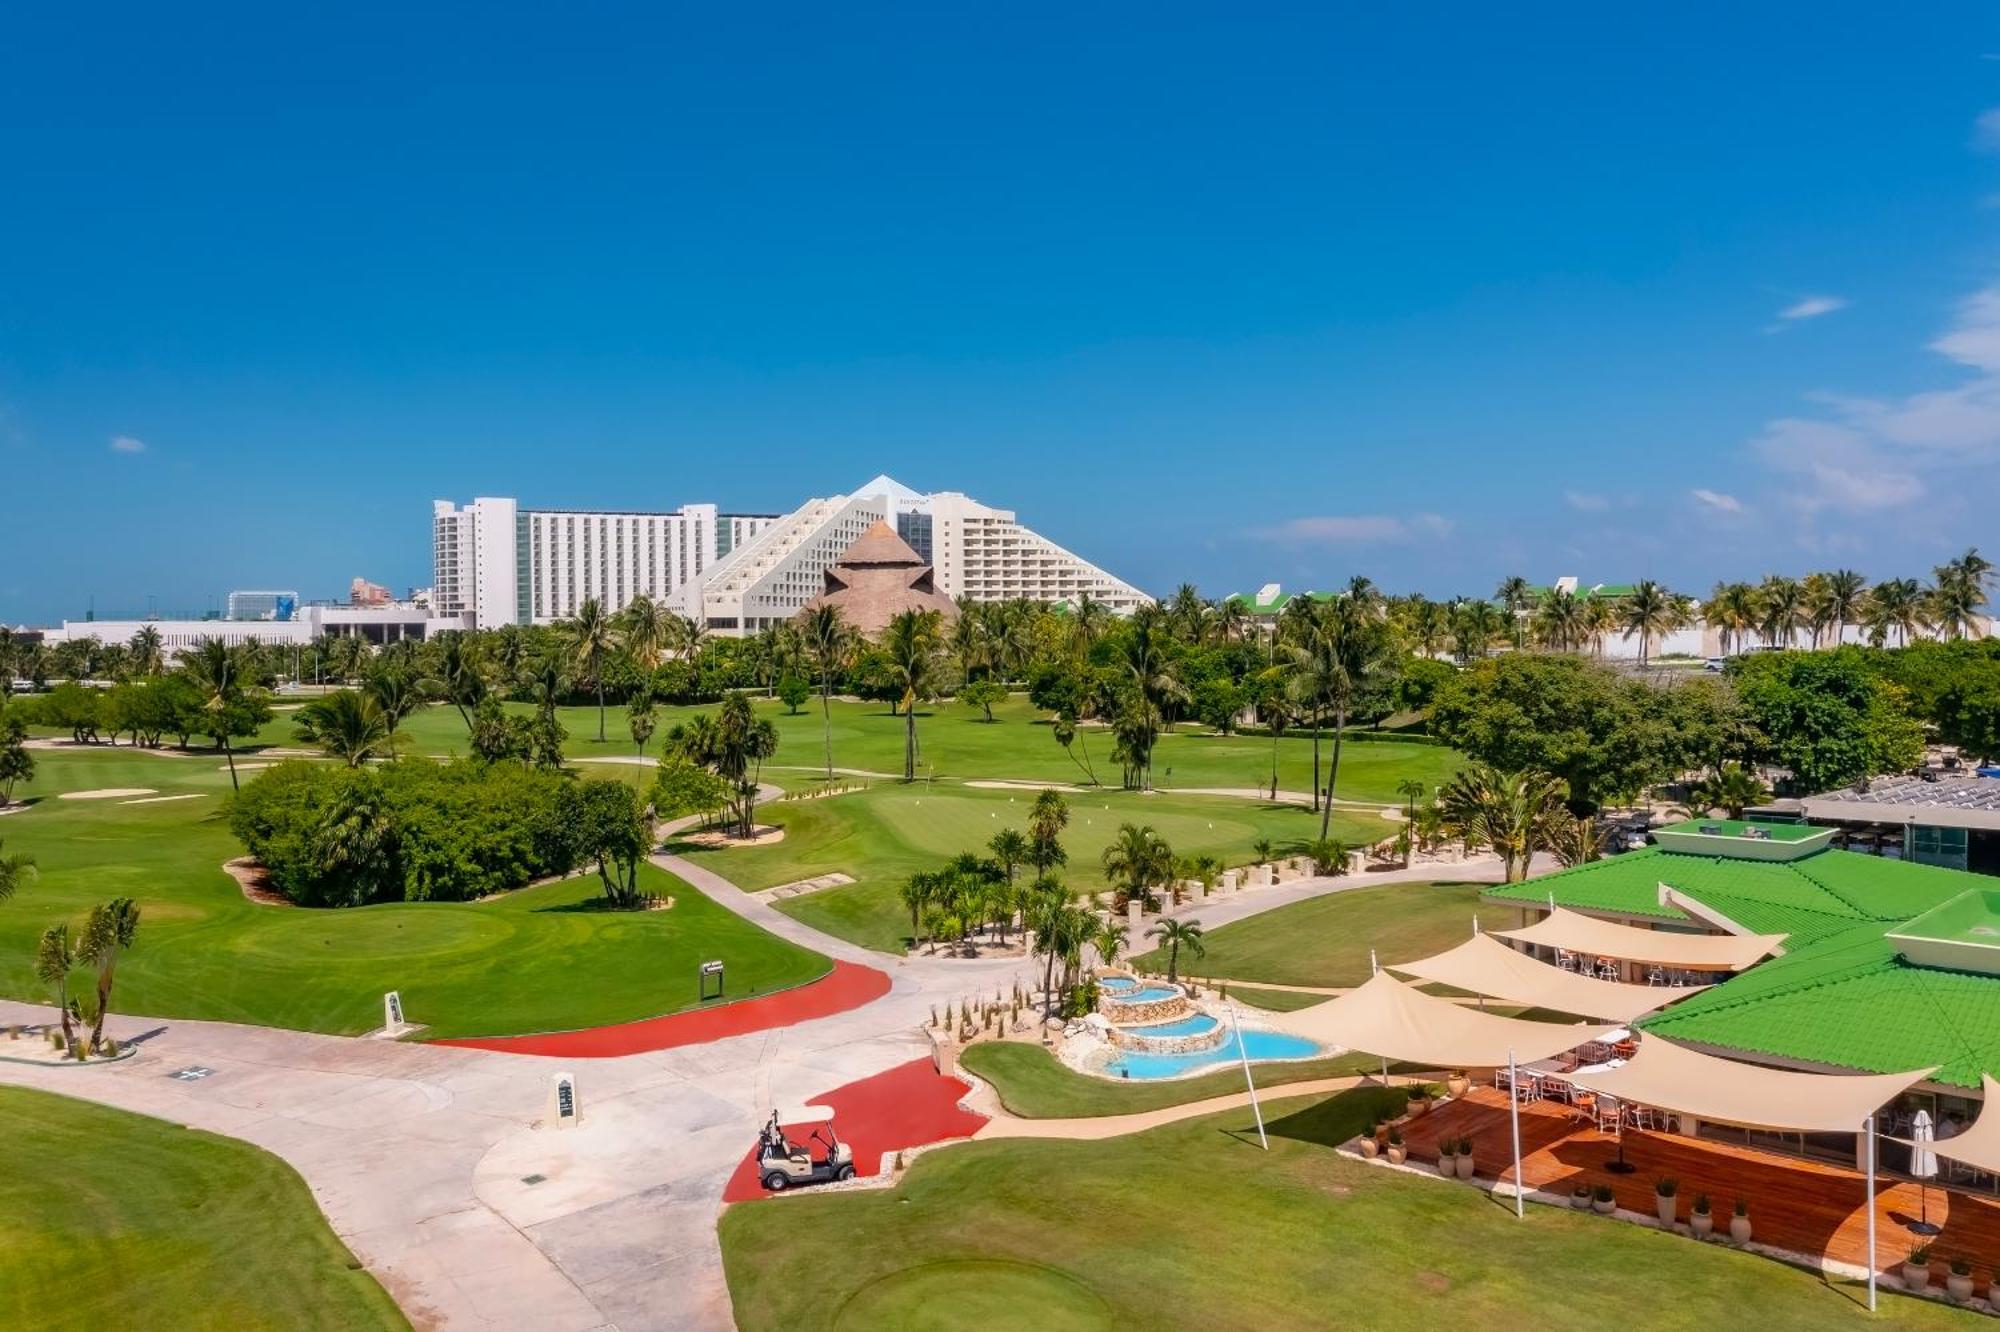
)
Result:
{"points": [[878, 578]]}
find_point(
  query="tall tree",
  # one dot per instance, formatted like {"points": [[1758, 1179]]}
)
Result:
{"points": [[55, 958], [213, 668], [1652, 612], [148, 657], [593, 641], [1515, 597], [829, 645], [346, 724], [1896, 605], [1175, 935], [1515, 813], [15, 871], [910, 645], [1782, 602], [107, 933]]}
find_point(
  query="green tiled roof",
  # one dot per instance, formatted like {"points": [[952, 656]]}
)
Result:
{"points": [[1841, 995]]}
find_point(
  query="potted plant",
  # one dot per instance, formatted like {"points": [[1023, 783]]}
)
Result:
{"points": [[1465, 1161], [1396, 1152], [1448, 1157], [1603, 1201], [1369, 1147], [1579, 1197], [1701, 1218], [1739, 1223], [1959, 1282], [1420, 1099], [1664, 1190], [1917, 1268], [1457, 1083]]}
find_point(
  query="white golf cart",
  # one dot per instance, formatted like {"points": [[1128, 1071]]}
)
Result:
{"points": [[784, 1164]]}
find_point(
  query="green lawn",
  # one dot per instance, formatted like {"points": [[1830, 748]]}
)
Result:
{"points": [[109, 1219], [1190, 1225], [536, 960], [1274, 1001], [1325, 941], [891, 831], [1034, 1084], [956, 743]]}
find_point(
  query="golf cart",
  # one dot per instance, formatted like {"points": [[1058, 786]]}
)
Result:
{"points": [[783, 1164]]}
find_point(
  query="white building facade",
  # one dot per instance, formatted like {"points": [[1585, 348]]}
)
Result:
{"points": [[499, 563]]}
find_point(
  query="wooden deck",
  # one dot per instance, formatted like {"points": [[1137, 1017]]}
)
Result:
{"points": [[1801, 1206]]}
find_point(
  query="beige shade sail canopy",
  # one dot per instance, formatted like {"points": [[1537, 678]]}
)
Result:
{"points": [[1978, 1146], [1674, 1077], [1396, 1021], [1484, 965], [1577, 933]]}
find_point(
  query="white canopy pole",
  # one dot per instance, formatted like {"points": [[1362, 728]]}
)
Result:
{"points": [[1514, 1112], [1869, 1129], [1375, 969], [1236, 1026]]}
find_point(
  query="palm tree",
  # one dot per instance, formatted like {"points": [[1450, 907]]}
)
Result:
{"points": [[1896, 604], [1783, 601], [1845, 593], [1732, 610], [1345, 652], [213, 668], [1961, 590], [459, 677], [1175, 935], [1412, 790], [1136, 859], [106, 933], [396, 693], [1600, 617], [1474, 626], [592, 641], [1010, 847], [1652, 612], [1047, 818], [1515, 597], [648, 629], [54, 960], [147, 656], [1559, 621], [1515, 813], [911, 644], [15, 871], [1733, 788], [1109, 941], [1187, 613], [829, 645], [348, 725]]}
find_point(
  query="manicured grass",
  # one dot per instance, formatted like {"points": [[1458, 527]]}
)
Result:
{"points": [[109, 1219], [956, 742], [1325, 941], [535, 960], [1034, 1084], [1190, 1225], [1275, 1001], [885, 834]]}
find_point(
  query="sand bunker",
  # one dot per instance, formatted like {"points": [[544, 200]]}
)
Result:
{"points": [[762, 835], [109, 793], [249, 876]]}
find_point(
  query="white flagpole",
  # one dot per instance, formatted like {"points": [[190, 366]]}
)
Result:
{"points": [[1869, 1128], [1514, 1112], [1236, 1026], [1375, 969]]}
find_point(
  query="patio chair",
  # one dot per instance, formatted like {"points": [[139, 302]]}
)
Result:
{"points": [[1607, 1111], [1642, 1117], [1565, 959], [1654, 976]]}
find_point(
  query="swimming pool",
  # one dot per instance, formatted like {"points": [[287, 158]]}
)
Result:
{"points": [[1140, 994], [1258, 1044], [1195, 1024]]}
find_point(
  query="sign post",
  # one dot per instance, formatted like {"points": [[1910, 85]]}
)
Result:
{"points": [[392, 1014], [564, 1108], [711, 970]]}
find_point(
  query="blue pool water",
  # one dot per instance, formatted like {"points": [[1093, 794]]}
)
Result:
{"points": [[1117, 984], [1142, 995], [1258, 1044], [1195, 1024]]}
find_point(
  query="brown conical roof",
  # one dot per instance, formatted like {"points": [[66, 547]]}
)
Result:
{"points": [[880, 546]]}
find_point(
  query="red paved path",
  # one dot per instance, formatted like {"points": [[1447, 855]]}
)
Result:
{"points": [[847, 986], [907, 1106]]}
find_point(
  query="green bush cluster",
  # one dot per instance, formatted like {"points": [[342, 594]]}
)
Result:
{"points": [[414, 830]]}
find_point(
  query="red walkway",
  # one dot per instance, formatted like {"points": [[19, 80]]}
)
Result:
{"points": [[907, 1106], [847, 986]]}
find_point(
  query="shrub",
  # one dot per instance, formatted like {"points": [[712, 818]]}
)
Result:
{"points": [[1961, 1266], [1667, 1186], [1702, 1206], [1602, 1193], [1742, 1207]]}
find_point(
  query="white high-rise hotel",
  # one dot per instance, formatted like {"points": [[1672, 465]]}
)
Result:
{"points": [[499, 563]]}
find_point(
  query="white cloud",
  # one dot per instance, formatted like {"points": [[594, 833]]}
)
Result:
{"points": [[1717, 500], [1584, 502], [1812, 307], [1986, 131], [127, 444], [1357, 529]]}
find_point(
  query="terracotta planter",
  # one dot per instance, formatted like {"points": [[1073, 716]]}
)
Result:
{"points": [[1916, 1276], [1396, 1154], [1663, 1207], [1370, 1148], [1417, 1107], [1739, 1229], [1701, 1223], [1448, 1166], [1458, 1084], [1465, 1165], [1604, 1206], [1959, 1286]]}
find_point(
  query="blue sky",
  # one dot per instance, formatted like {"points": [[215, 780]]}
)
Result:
{"points": [[1230, 295]]}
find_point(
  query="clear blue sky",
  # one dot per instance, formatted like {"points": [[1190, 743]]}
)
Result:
{"points": [[1231, 296]]}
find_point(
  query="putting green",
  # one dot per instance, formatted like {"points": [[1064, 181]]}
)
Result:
{"points": [[976, 1292]]}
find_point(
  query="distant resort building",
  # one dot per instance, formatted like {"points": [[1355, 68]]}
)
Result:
{"points": [[878, 578], [499, 563]]}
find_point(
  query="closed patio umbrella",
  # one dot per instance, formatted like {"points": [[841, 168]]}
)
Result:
{"points": [[1923, 1165]]}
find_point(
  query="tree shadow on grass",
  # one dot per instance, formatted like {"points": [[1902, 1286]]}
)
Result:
{"points": [[592, 906]]}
